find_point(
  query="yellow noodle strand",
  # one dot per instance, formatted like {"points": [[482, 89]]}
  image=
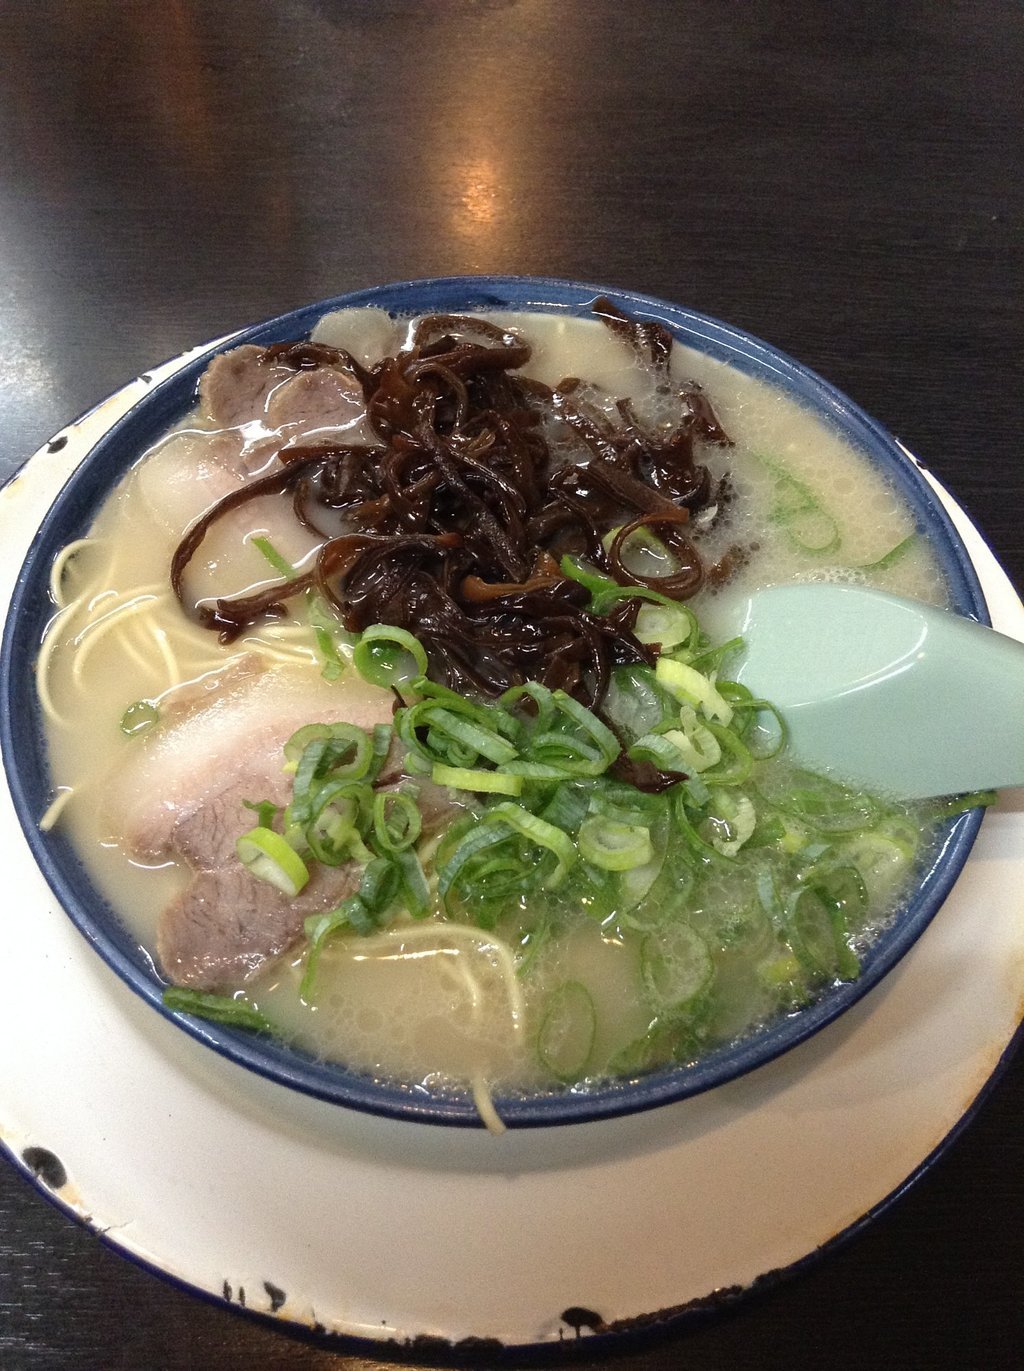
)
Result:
{"points": [[142, 595], [461, 976], [134, 647], [383, 942], [51, 641], [55, 808], [484, 1101], [170, 661], [93, 634], [482, 1097], [60, 566]]}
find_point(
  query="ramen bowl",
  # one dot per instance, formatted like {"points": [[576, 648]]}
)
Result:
{"points": [[26, 756]]}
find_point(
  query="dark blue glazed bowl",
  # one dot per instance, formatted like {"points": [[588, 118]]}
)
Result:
{"points": [[24, 748]]}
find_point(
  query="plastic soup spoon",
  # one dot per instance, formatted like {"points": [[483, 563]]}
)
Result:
{"points": [[888, 693]]}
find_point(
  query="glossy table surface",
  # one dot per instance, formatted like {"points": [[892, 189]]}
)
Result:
{"points": [[843, 180]]}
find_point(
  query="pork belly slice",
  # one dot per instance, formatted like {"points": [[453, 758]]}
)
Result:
{"points": [[225, 736], [186, 474], [179, 795]]}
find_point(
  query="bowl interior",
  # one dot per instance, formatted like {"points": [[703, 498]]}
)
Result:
{"points": [[24, 748]]}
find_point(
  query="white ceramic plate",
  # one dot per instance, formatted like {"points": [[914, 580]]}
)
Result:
{"points": [[375, 1229]]}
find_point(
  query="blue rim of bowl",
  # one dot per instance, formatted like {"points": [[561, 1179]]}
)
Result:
{"points": [[23, 746]]}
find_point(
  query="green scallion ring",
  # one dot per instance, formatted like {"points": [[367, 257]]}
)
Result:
{"points": [[539, 832], [477, 780], [387, 656], [397, 822], [269, 857], [612, 845]]}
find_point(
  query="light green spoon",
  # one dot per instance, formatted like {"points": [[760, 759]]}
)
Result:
{"points": [[888, 693]]}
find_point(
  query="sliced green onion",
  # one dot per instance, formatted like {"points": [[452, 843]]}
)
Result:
{"points": [[320, 927], [485, 715], [280, 564], [693, 748], [816, 936], [842, 888], [960, 804], [730, 824], [452, 837], [327, 631], [692, 687], [483, 782], [566, 755], [604, 739], [883, 860], [614, 846], [567, 807], [541, 771], [661, 620], [238, 1013], [313, 767], [764, 740], [588, 751], [339, 818], [586, 575], [818, 801], [387, 656], [443, 727], [531, 943], [139, 716], [783, 977], [380, 885], [451, 868], [539, 832], [484, 742], [565, 1040], [347, 751], [269, 857], [324, 624], [415, 889], [542, 698], [396, 820], [890, 558], [671, 625], [741, 766], [688, 829], [636, 884], [659, 750], [798, 509], [711, 658], [265, 810], [675, 966], [636, 704], [380, 746]]}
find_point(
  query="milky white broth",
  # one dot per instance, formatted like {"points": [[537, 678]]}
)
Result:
{"points": [[432, 1006]]}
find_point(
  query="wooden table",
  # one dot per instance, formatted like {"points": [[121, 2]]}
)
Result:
{"points": [[844, 180]]}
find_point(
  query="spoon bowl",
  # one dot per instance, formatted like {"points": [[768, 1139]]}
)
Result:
{"points": [[887, 693]]}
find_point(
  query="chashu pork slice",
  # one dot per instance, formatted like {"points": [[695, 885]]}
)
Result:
{"points": [[179, 796], [309, 406]]}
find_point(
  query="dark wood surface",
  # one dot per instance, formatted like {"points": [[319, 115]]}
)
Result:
{"points": [[843, 179]]}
